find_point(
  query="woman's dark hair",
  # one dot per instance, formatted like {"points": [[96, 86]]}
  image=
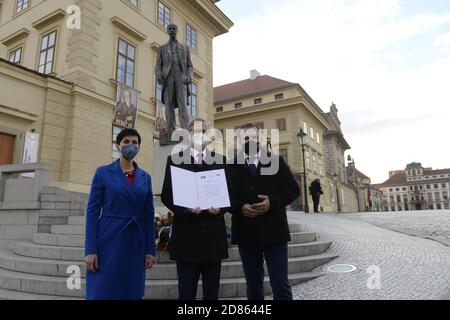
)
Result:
{"points": [[127, 133]]}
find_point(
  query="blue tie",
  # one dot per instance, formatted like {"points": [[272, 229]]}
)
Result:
{"points": [[253, 169]]}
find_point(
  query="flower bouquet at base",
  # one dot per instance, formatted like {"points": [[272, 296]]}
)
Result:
{"points": [[163, 232]]}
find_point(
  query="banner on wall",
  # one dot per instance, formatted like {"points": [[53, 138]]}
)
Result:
{"points": [[30, 152], [127, 101]]}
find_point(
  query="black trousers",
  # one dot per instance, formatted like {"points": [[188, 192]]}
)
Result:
{"points": [[276, 257], [316, 201], [189, 274]]}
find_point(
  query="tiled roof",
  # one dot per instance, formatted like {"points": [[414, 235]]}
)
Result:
{"points": [[397, 179], [248, 87], [441, 171]]}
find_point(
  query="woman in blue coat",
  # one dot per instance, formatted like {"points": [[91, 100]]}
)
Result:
{"points": [[120, 236]]}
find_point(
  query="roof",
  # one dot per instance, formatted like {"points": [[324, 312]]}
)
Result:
{"points": [[397, 179], [440, 171], [359, 173], [33, 71], [248, 87]]}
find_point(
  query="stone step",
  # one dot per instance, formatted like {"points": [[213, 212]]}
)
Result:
{"points": [[78, 240], [154, 289], [17, 295], [77, 220], [33, 250], [79, 229], [68, 229], [59, 240], [230, 269]]}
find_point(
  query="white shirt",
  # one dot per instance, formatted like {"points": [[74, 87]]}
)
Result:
{"points": [[195, 154]]}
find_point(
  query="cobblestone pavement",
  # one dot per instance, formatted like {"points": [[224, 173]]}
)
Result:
{"points": [[433, 224], [411, 267]]}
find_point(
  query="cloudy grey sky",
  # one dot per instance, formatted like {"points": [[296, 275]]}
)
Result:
{"points": [[385, 63]]}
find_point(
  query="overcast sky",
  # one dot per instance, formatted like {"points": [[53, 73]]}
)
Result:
{"points": [[385, 63]]}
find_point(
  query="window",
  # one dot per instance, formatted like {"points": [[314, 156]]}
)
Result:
{"points": [[238, 105], [164, 14], [134, 2], [438, 206], [392, 208], [436, 186], [445, 195], [317, 137], [258, 101], [428, 187], [15, 55], [125, 63], [191, 36], [314, 160], [311, 132], [115, 152], [307, 160], [219, 109], [284, 154], [194, 93], [437, 196], [47, 53], [305, 127], [390, 190], [404, 189], [281, 124], [443, 185], [22, 5], [279, 96]]}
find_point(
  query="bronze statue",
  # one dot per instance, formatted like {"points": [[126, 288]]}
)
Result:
{"points": [[174, 72]]}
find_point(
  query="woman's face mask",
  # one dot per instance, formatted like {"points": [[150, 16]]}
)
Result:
{"points": [[129, 151]]}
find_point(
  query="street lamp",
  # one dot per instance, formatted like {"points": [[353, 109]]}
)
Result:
{"points": [[352, 162], [335, 178], [300, 137]]}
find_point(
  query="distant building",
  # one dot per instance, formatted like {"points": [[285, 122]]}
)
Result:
{"points": [[417, 188], [370, 196], [273, 103]]}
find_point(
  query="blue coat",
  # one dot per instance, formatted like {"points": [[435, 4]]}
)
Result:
{"points": [[120, 230]]}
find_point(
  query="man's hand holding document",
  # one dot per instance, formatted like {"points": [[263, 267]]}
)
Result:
{"points": [[204, 190]]}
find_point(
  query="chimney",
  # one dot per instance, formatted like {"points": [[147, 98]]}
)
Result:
{"points": [[254, 74]]}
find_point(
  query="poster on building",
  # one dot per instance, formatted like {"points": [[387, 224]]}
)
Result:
{"points": [[30, 152], [127, 100]]}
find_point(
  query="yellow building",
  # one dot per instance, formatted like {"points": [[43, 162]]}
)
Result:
{"points": [[59, 82], [272, 103]]}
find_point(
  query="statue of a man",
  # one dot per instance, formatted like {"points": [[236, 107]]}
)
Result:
{"points": [[174, 72]]}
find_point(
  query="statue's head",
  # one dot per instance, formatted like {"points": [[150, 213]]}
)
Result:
{"points": [[172, 30]]}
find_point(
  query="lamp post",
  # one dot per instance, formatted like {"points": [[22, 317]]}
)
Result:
{"points": [[300, 137], [335, 178], [352, 162]]}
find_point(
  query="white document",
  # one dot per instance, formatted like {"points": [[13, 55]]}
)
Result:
{"points": [[204, 190]]}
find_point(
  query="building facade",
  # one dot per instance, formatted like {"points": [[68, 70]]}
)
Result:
{"points": [[60, 82], [273, 103], [416, 188]]}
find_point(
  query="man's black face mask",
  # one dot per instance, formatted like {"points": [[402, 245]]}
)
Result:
{"points": [[252, 148]]}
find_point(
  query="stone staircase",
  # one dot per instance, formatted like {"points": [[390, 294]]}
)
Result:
{"points": [[37, 269]]}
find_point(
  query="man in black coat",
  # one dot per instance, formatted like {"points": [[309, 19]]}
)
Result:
{"points": [[316, 190], [199, 239], [259, 223]]}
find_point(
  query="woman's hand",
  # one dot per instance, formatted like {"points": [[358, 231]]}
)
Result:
{"points": [[149, 261], [91, 262]]}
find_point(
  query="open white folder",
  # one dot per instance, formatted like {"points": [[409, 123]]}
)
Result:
{"points": [[204, 190]]}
